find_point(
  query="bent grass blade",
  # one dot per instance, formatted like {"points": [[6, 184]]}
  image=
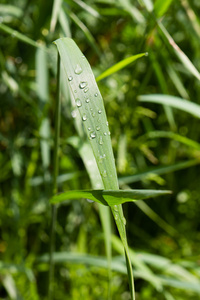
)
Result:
{"points": [[172, 101], [90, 105]]}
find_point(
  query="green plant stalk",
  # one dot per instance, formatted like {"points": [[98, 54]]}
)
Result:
{"points": [[54, 186]]}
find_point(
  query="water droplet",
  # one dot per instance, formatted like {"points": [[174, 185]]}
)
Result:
{"points": [[83, 57], [75, 91], [115, 208], [98, 128], [78, 102], [104, 133], [89, 128], [93, 114], [100, 141], [78, 70], [107, 123], [116, 216], [87, 100], [14, 33], [90, 201], [124, 221], [96, 95], [70, 78], [73, 113], [99, 111], [93, 135], [108, 132], [146, 54], [83, 84], [104, 173], [102, 156], [86, 90], [84, 118]]}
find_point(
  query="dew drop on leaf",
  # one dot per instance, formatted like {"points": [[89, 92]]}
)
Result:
{"points": [[78, 102], [86, 90], [93, 135], [78, 70], [115, 208], [104, 173], [73, 113], [87, 100], [98, 128], [70, 78], [105, 133], [124, 221], [96, 95], [89, 128], [99, 111], [116, 216], [84, 118], [100, 141], [83, 84]]}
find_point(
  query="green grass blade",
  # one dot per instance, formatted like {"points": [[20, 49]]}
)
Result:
{"points": [[109, 197], [42, 77], [88, 8], [86, 32], [90, 104], [20, 36], [64, 23], [180, 54], [10, 10], [171, 135], [159, 171], [160, 7], [55, 12], [176, 102], [120, 65]]}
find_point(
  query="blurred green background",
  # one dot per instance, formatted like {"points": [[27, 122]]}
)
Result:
{"points": [[155, 146]]}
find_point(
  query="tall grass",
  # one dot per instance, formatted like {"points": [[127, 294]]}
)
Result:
{"points": [[155, 142]]}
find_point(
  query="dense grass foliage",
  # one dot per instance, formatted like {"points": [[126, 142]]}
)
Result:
{"points": [[153, 111]]}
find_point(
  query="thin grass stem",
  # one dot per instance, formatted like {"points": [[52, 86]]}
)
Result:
{"points": [[54, 186]]}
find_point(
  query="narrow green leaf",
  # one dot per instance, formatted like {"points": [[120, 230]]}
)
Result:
{"points": [[108, 197], [120, 65], [10, 10], [160, 170], [55, 12], [176, 102], [42, 79], [86, 32], [177, 137], [20, 36], [64, 23], [88, 8], [160, 7], [180, 54]]}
